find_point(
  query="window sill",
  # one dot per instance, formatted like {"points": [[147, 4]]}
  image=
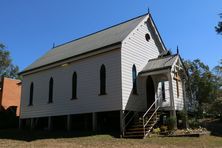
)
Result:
{"points": [[102, 94], [50, 102], [136, 94], [74, 98]]}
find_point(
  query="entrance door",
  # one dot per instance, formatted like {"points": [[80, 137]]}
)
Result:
{"points": [[150, 91]]}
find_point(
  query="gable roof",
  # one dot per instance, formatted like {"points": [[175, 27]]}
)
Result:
{"points": [[103, 38], [160, 63]]}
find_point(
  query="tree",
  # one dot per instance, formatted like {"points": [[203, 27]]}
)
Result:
{"points": [[218, 28], [201, 83], [6, 67], [216, 108], [217, 70]]}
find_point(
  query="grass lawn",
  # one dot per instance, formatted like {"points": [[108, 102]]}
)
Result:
{"points": [[16, 138]]}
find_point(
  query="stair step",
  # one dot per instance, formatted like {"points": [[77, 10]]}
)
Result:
{"points": [[141, 123], [138, 129], [134, 132], [141, 118]]}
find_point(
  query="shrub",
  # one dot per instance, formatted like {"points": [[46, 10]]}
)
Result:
{"points": [[171, 123], [216, 108], [193, 123], [156, 130], [182, 116]]}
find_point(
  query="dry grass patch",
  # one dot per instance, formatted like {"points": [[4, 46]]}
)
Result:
{"points": [[63, 139]]}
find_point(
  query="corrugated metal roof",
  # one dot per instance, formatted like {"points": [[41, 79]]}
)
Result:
{"points": [[88, 43], [159, 63]]}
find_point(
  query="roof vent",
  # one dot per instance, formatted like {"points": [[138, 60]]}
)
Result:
{"points": [[147, 36]]}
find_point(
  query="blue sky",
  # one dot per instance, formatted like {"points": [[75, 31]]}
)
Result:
{"points": [[30, 27]]}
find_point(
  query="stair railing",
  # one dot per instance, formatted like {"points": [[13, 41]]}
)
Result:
{"points": [[131, 118], [145, 123]]}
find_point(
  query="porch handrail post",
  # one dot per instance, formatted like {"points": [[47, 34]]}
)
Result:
{"points": [[143, 128], [173, 111], [122, 123]]}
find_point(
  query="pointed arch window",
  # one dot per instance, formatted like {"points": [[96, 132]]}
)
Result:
{"points": [[163, 91], [31, 94], [134, 78], [51, 90], [74, 85], [103, 80]]}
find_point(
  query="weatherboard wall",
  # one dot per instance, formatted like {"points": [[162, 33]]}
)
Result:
{"points": [[136, 50], [178, 101], [88, 87]]}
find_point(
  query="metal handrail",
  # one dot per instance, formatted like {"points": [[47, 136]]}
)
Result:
{"points": [[150, 108], [145, 124], [125, 125], [126, 115], [150, 117], [146, 133]]}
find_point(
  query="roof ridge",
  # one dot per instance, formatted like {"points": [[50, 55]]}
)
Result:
{"points": [[170, 58], [158, 58], [102, 30]]}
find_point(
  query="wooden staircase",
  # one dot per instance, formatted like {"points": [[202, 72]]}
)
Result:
{"points": [[141, 123]]}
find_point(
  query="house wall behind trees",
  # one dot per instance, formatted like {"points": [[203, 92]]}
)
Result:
{"points": [[11, 94], [88, 87]]}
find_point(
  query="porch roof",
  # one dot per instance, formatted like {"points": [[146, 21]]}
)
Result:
{"points": [[160, 63]]}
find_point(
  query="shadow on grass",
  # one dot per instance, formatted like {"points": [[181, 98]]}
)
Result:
{"points": [[214, 126], [27, 135]]}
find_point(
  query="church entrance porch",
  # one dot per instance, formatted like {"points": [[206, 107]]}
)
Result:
{"points": [[164, 87]]}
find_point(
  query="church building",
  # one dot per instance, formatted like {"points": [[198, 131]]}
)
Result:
{"points": [[120, 78]]}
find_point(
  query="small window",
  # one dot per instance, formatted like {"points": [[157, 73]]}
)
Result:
{"points": [[31, 94], [177, 78], [163, 91], [178, 91], [147, 36], [103, 80], [51, 90], [74, 86], [134, 77]]}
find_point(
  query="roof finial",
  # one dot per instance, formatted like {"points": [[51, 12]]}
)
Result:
{"points": [[53, 45], [177, 49], [148, 10]]}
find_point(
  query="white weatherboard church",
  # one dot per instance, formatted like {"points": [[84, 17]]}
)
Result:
{"points": [[119, 78]]}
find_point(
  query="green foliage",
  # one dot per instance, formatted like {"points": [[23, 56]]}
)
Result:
{"points": [[156, 130], [182, 115], [6, 67], [216, 108], [203, 83], [171, 123], [193, 123], [218, 28], [217, 70]]}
